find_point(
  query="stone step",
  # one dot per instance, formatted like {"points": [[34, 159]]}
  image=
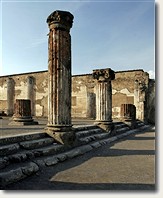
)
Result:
{"points": [[20, 138], [20, 171], [94, 137], [139, 124], [28, 145], [40, 140], [23, 170], [88, 132], [122, 130], [32, 149], [28, 155], [9, 149], [84, 128], [32, 144], [119, 125]]}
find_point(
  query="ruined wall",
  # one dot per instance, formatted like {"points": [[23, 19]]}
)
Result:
{"points": [[122, 91], [129, 87], [83, 97], [22, 91], [34, 86], [3, 94], [151, 102]]}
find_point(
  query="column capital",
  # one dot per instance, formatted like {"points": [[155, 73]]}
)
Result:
{"points": [[103, 75], [60, 20]]}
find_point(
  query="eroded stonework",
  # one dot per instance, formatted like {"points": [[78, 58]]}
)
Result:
{"points": [[124, 90], [59, 124]]}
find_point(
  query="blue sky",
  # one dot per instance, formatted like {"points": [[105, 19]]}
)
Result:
{"points": [[114, 34]]}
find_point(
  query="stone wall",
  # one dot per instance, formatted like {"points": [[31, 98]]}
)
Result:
{"points": [[133, 87], [83, 96], [151, 102], [22, 88]]}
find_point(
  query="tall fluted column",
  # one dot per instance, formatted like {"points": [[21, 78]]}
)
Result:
{"points": [[59, 76], [104, 97]]}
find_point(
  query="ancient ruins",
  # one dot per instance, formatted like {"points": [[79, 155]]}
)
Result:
{"points": [[127, 88], [22, 113], [116, 102], [104, 97], [59, 76], [59, 96]]}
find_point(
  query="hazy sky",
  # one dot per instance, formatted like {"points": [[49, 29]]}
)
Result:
{"points": [[116, 34]]}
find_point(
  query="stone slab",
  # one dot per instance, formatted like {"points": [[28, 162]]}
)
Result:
{"points": [[50, 161], [23, 123], [9, 149], [36, 143]]}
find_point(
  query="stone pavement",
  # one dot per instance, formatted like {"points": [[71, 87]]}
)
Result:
{"points": [[13, 130], [126, 164]]}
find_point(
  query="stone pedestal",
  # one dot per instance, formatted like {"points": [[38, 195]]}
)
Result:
{"points": [[59, 77], [22, 113], [128, 114], [104, 98]]}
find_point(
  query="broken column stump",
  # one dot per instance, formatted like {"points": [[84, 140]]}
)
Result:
{"points": [[22, 113], [128, 114], [104, 98], [59, 77]]}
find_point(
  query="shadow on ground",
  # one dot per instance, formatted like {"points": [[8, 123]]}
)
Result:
{"points": [[43, 179]]}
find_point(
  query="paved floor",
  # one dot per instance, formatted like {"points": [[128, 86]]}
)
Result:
{"points": [[14, 130], [125, 165]]}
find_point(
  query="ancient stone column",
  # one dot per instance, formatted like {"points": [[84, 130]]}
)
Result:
{"points": [[30, 92], [22, 113], [10, 96], [104, 97], [128, 114], [91, 106], [59, 76], [140, 97]]}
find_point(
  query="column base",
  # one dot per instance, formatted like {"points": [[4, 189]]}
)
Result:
{"points": [[63, 134], [107, 126], [23, 121], [130, 122]]}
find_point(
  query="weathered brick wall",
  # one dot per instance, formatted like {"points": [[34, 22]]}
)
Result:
{"points": [[3, 94], [151, 102], [83, 93], [20, 91], [123, 90], [82, 85]]}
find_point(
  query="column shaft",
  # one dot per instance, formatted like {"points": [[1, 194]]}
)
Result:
{"points": [[59, 69], [59, 77], [104, 101], [104, 98], [10, 96]]}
